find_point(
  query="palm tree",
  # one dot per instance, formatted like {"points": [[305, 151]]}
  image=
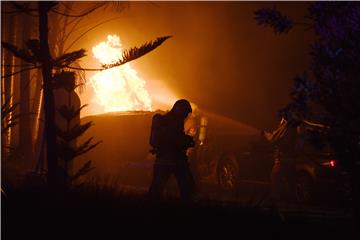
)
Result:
{"points": [[38, 56]]}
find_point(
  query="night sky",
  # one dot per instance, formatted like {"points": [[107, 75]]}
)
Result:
{"points": [[218, 57]]}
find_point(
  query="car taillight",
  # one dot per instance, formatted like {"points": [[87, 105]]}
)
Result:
{"points": [[330, 163]]}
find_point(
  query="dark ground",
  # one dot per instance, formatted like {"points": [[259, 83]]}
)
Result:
{"points": [[99, 212]]}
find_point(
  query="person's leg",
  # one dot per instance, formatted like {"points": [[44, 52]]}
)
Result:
{"points": [[291, 178], [275, 183], [161, 174], [288, 173], [185, 181]]}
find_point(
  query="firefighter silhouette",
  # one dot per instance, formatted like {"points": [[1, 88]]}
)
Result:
{"points": [[170, 143], [288, 140]]}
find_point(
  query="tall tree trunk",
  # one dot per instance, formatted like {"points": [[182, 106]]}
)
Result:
{"points": [[38, 127], [25, 119], [15, 89], [49, 106], [54, 30], [4, 71], [7, 84]]}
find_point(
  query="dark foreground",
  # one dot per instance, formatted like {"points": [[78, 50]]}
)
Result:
{"points": [[98, 213]]}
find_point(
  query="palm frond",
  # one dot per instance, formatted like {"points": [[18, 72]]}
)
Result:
{"points": [[135, 52], [69, 58], [20, 53], [77, 111], [5, 105], [74, 132], [85, 147], [82, 171], [69, 113], [5, 112]]}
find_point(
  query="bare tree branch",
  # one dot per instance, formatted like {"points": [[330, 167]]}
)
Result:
{"points": [[85, 69], [66, 36], [17, 65], [82, 14], [23, 54], [17, 11], [97, 25], [23, 8], [22, 70], [66, 6]]}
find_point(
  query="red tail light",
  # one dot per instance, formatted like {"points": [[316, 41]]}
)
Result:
{"points": [[329, 163], [332, 163]]}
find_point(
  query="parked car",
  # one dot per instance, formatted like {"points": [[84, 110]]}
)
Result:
{"points": [[228, 153], [234, 159]]}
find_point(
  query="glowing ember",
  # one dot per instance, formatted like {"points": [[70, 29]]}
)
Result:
{"points": [[119, 88]]}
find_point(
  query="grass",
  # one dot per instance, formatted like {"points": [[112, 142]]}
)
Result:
{"points": [[99, 208]]}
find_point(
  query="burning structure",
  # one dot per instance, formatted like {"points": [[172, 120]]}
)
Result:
{"points": [[119, 88], [124, 123]]}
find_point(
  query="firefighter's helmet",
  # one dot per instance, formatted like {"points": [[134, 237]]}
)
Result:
{"points": [[181, 108]]}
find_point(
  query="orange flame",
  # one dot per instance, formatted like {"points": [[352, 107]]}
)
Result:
{"points": [[119, 88]]}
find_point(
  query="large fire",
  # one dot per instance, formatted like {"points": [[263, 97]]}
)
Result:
{"points": [[119, 88]]}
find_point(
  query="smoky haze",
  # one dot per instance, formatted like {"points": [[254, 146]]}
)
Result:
{"points": [[218, 57]]}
